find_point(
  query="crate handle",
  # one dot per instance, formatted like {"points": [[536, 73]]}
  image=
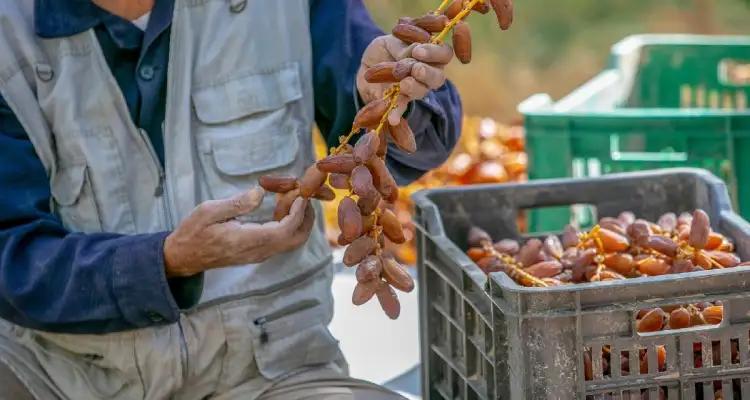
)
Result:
{"points": [[734, 72], [659, 156]]}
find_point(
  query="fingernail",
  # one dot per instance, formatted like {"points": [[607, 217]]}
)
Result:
{"points": [[420, 52]]}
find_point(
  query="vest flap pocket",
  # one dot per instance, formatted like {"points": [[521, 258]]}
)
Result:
{"points": [[257, 152], [296, 340], [247, 95], [68, 184]]}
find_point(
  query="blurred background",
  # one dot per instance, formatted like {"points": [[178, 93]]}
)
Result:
{"points": [[555, 46]]}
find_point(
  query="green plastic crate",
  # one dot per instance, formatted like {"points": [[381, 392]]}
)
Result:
{"points": [[664, 101]]}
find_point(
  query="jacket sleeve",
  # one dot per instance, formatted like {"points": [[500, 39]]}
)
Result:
{"points": [[55, 280], [341, 30]]}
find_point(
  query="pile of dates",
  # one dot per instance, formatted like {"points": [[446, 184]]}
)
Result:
{"points": [[616, 248]]}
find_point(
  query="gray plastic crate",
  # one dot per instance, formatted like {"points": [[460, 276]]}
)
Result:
{"points": [[490, 338]]}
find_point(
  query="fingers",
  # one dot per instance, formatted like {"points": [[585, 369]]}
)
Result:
{"points": [[285, 228], [433, 53], [430, 76], [395, 115], [303, 231], [216, 211]]}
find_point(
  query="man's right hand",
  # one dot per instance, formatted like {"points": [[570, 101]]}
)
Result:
{"points": [[211, 237]]}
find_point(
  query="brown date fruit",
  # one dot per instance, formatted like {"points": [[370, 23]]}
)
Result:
{"points": [[715, 240], [639, 231], [727, 260], [369, 269], [363, 292], [350, 219], [684, 219], [609, 275], [653, 321], [462, 42], [341, 241], [565, 276], [325, 193], [481, 7], [278, 183], [612, 241], [388, 300], [529, 253], [403, 68], [383, 180], [491, 264], [627, 218], [411, 33], [668, 222], [702, 260], [553, 247], [680, 266], [700, 228], [476, 253], [381, 73], [713, 314], [358, 250], [453, 9], [339, 181], [545, 269], [338, 163], [403, 136], [621, 263], [696, 317], [679, 318], [371, 114], [504, 12], [507, 246], [397, 276], [431, 22], [391, 227], [477, 237], [613, 224], [311, 181], [284, 203], [362, 181], [570, 237], [584, 259], [653, 266], [368, 202], [366, 147], [663, 245]]}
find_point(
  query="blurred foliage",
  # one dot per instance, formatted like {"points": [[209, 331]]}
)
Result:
{"points": [[553, 47]]}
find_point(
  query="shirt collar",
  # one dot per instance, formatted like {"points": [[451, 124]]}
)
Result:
{"points": [[60, 18]]}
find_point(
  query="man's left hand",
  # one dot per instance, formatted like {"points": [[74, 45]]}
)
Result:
{"points": [[426, 75]]}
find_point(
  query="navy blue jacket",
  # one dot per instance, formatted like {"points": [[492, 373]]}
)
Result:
{"points": [[55, 280]]}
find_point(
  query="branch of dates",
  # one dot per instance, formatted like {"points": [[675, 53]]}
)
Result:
{"points": [[363, 215]]}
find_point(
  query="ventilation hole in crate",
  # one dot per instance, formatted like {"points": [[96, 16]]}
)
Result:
{"points": [[737, 388], [735, 349], [624, 363], [686, 96], [606, 362], [588, 369], [718, 390], [716, 352], [660, 394], [697, 357]]}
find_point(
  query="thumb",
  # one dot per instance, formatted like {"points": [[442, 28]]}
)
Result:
{"points": [[215, 211]]}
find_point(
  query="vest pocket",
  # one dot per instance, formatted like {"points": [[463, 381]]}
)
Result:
{"points": [[73, 198], [288, 341]]}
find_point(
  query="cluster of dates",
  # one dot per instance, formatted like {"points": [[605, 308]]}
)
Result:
{"points": [[363, 217], [616, 248]]}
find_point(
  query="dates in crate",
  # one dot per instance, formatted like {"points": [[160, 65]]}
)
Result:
{"points": [[616, 248]]}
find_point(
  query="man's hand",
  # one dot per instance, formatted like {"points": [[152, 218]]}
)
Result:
{"points": [[426, 75], [211, 237]]}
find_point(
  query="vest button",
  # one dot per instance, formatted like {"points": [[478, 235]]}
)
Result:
{"points": [[44, 72], [147, 72], [154, 317]]}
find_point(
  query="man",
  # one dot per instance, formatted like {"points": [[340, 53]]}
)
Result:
{"points": [[136, 256]]}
